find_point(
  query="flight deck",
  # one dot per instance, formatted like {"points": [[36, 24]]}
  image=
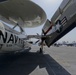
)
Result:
{"points": [[54, 61]]}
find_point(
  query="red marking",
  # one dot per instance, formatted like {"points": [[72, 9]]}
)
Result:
{"points": [[49, 28]]}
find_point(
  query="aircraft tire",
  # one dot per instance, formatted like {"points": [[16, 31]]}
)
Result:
{"points": [[41, 51]]}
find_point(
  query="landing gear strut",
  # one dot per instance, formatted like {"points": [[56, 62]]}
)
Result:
{"points": [[42, 44]]}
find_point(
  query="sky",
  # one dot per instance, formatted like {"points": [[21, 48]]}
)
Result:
{"points": [[50, 6]]}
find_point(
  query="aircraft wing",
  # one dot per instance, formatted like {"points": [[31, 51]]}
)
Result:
{"points": [[32, 36], [61, 23], [22, 12]]}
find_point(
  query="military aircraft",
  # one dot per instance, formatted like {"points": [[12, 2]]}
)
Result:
{"points": [[22, 14], [25, 13]]}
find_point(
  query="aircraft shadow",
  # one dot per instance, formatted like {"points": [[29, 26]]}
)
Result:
{"points": [[26, 63]]}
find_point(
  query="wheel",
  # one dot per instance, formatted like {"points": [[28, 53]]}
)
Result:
{"points": [[41, 51]]}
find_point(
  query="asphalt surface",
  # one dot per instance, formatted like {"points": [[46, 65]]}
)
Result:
{"points": [[54, 61]]}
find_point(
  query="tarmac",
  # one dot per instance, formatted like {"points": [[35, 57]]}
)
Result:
{"points": [[54, 61]]}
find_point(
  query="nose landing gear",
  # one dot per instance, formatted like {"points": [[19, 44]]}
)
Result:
{"points": [[42, 44], [41, 51]]}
